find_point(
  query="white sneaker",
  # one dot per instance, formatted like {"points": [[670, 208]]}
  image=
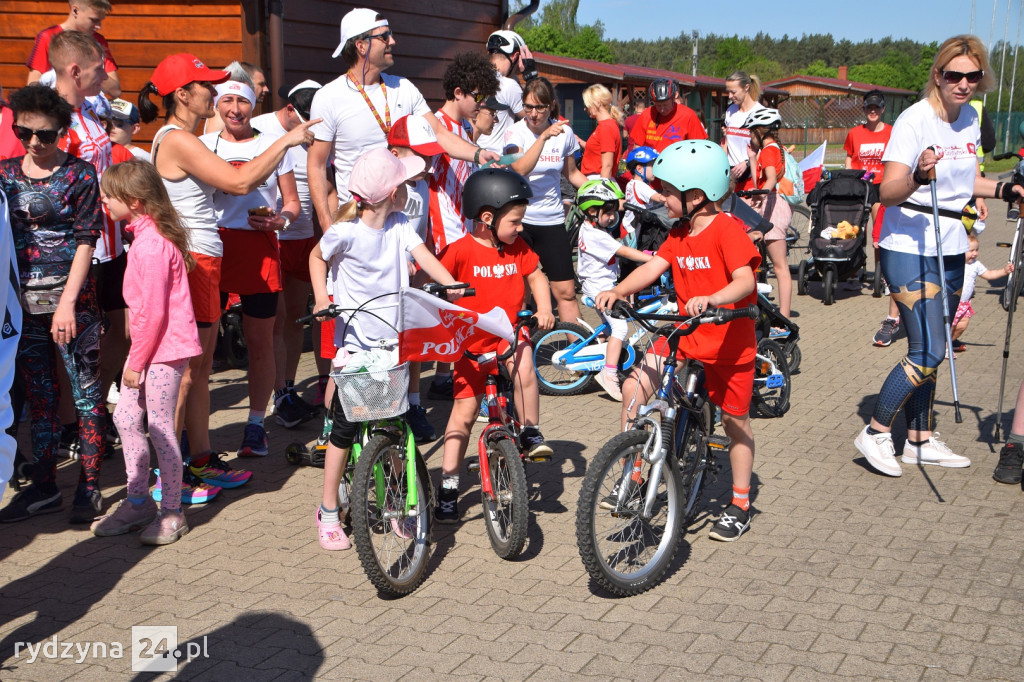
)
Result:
{"points": [[879, 452], [113, 395], [934, 451], [610, 383]]}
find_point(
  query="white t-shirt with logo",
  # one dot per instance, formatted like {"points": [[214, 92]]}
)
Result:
{"points": [[510, 93], [737, 138], [233, 210], [351, 127], [302, 226], [597, 265], [364, 263], [546, 205], [916, 129]]}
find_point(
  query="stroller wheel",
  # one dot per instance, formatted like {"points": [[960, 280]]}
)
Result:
{"points": [[877, 285], [801, 279], [828, 285]]}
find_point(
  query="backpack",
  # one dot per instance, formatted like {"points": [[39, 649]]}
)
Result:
{"points": [[791, 184]]}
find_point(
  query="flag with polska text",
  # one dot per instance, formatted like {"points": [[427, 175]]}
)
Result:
{"points": [[434, 329]]}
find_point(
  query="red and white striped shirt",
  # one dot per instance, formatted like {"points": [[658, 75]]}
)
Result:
{"points": [[87, 139], [447, 180]]}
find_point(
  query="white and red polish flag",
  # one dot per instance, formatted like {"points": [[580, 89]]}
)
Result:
{"points": [[434, 329], [812, 166]]}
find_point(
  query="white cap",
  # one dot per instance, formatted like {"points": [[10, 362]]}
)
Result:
{"points": [[357, 22], [307, 84]]}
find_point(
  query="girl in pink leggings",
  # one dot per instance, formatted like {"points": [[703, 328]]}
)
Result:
{"points": [[164, 337]]}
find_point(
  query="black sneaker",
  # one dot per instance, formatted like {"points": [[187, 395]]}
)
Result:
{"points": [[447, 509], [885, 335], [31, 502], [442, 390], [87, 506], [422, 431], [289, 413], [731, 524], [1011, 459], [610, 500], [297, 399], [533, 445]]}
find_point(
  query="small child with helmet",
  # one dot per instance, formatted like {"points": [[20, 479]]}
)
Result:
{"points": [[639, 192], [598, 267], [713, 263]]}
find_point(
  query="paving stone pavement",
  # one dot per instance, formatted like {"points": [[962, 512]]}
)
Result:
{"points": [[844, 574]]}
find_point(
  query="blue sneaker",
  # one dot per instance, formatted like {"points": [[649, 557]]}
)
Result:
{"points": [[254, 444]]}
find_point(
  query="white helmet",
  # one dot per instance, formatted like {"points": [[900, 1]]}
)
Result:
{"points": [[763, 117], [505, 42]]}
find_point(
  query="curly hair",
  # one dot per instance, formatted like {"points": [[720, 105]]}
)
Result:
{"points": [[470, 72], [39, 99]]}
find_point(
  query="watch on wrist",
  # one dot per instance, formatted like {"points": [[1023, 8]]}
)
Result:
{"points": [[287, 223]]}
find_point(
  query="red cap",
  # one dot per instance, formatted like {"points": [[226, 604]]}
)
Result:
{"points": [[178, 70], [414, 132]]}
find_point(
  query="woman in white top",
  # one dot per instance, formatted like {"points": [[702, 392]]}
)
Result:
{"points": [[191, 173], [743, 90], [548, 146], [939, 135]]}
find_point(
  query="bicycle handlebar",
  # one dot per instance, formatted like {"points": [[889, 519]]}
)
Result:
{"points": [[690, 324], [752, 192], [434, 288], [1005, 155]]}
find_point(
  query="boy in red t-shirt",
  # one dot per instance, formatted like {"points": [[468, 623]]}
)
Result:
{"points": [[86, 16], [493, 260], [713, 264]]}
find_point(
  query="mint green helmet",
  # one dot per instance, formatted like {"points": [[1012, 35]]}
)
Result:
{"points": [[695, 164]]}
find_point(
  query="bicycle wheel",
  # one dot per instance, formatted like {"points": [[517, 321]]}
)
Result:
{"points": [[771, 379], [625, 551], [552, 379], [1015, 279], [393, 542], [507, 513], [695, 459], [798, 247]]}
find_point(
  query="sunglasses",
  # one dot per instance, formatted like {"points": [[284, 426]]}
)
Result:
{"points": [[385, 37], [954, 77], [478, 97], [536, 107], [45, 136]]}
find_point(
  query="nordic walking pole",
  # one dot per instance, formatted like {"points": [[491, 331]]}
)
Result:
{"points": [[945, 296], [1014, 293]]}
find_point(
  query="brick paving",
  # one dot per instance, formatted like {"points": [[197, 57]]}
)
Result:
{"points": [[844, 574]]}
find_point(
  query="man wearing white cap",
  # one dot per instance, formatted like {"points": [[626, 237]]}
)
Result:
{"points": [[359, 108]]}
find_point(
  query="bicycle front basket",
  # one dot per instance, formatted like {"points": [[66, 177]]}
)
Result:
{"points": [[369, 396]]}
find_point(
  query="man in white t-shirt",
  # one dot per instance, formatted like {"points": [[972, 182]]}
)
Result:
{"points": [[358, 109], [509, 55]]}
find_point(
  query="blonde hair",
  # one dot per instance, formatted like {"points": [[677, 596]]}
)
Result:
{"points": [[750, 81], [351, 209], [964, 45], [73, 47], [599, 96], [137, 180]]}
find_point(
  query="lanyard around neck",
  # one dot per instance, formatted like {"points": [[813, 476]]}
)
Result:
{"points": [[385, 124]]}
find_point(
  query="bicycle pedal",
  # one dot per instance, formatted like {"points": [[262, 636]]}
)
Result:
{"points": [[473, 465], [719, 442], [539, 458]]}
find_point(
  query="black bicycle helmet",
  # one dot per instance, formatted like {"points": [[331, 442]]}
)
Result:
{"points": [[494, 188], [662, 89]]}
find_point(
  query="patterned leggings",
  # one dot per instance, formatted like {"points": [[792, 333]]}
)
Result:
{"points": [[155, 397], [81, 359]]}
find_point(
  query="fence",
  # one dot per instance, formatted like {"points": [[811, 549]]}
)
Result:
{"points": [[1008, 136], [809, 121]]}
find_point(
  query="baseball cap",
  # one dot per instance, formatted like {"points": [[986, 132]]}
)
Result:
{"points": [[493, 104], [377, 172], [874, 97], [290, 92], [414, 132], [124, 110], [178, 70], [357, 22]]}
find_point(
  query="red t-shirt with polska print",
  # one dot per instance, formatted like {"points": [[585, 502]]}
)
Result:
{"points": [[703, 264]]}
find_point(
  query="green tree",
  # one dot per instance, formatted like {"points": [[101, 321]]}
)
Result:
{"points": [[587, 44], [544, 38], [819, 69], [731, 54]]}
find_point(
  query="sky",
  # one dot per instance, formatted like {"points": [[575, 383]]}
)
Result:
{"points": [[921, 20]]}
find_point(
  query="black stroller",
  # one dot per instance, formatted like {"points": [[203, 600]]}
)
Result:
{"points": [[841, 195]]}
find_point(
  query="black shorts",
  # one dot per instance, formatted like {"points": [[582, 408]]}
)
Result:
{"points": [[552, 246], [109, 279], [873, 197], [261, 306]]}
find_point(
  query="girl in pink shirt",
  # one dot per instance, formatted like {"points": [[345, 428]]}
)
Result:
{"points": [[164, 337]]}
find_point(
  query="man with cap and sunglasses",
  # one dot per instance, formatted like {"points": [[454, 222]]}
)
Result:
{"points": [[486, 118], [665, 121], [359, 107]]}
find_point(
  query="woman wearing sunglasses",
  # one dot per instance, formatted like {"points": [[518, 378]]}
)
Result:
{"points": [[56, 220], [940, 133]]}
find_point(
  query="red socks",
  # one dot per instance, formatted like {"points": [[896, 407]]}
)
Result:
{"points": [[741, 497]]}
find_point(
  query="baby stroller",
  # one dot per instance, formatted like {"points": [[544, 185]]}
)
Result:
{"points": [[840, 197], [650, 228]]}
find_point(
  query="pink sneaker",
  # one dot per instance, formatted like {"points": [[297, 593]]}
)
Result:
{"points": [[332, 537], [166, 528]]}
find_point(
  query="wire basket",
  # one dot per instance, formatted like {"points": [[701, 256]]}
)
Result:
{"points": [[369, 396]]}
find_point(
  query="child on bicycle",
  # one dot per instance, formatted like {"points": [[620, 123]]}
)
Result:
{"points": [[713, 264], [598, 266], [640, 163], [499, 265], [366, 250]]}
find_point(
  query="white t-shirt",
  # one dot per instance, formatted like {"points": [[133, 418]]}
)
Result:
{"points": [[597, 265], [364, 263], [737, 138], [916, 129], [349, 124], [416, 207], [140, 153], [972, 271], [638, 193], [302, 226], [546, 205], [510, 93], [233, 210]]}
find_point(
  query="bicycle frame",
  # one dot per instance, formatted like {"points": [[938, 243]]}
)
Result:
{"points": [[366, 431], [498, 421]]}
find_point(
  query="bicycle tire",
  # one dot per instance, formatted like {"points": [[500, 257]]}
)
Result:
{"points": [[552, 380], [614, 549], [774, 401], [393, 546], [799, 225], [507, 514], [695, 460], [1012, 290], [793, 356]]}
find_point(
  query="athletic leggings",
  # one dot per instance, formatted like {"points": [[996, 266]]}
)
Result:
{"points": [[155, 397], [914, 283], [81, 359]]}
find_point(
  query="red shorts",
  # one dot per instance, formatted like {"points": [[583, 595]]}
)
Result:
{"points": [[469, 378], [327, 348], [204, 284], [876, 226], [295, 257], [729, 386], [252, 262]]}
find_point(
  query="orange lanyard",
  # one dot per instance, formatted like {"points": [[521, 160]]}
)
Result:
{"points": [[385, 125]]}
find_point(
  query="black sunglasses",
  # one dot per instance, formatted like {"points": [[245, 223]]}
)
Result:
{"points": [[954, 77], [536, 107], [478, 97], [45, 136], [384, 37]]}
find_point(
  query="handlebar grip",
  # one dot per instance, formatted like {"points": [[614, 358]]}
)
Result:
{"points": [[727, 315], [1005, 155], [621, 310], [329, 311], [469, 291]]}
